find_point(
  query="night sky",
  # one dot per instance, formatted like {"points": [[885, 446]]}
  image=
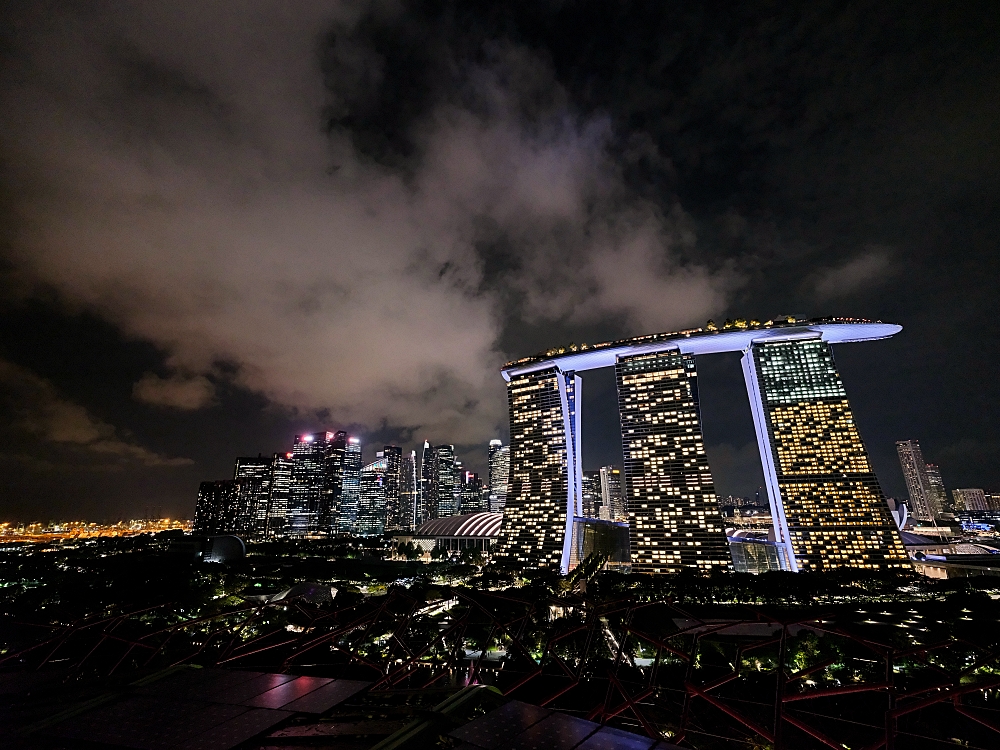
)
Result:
{"points": [[226, 223]]}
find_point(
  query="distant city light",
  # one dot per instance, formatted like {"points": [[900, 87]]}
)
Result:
{"points": [[353, 440]]}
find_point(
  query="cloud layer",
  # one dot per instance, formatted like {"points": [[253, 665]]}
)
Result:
{"points": [[197, 180], [34, 407]]}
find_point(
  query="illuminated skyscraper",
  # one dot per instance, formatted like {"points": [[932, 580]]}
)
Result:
{"points": [[428, 484], [446, 486], [371, 513], [938, 495], [393, 466], [827, 505], [923, 497], [545, 471], [306, 492], [409, 493], [612, 494], [590, 494], [473, 498], [213, 513], [970, 499], [499, 474], [281, 483], [674, 519], [333, 482], [253, 475], [350, 486]]}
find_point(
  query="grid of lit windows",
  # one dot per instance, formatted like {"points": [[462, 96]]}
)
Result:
{"points": [[674, 519], [832, 502], [534, 518]]}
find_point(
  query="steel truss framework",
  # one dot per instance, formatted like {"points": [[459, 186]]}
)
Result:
{"points": [[705, 678]]}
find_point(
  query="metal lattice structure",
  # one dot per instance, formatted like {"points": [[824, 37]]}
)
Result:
{"points": [[900, 675]]}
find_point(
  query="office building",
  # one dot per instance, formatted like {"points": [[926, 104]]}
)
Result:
{"points": [[213, 511], [499, 472], [446, 484], [333, 481], [674, 519], [394, 515], [590, 494], [350, 491], [970, 500], [472, 495], [371, 508], [612, 495], [308, 482], [924, 501], [543, 495], [827, 505], [938, 495], [281, 484], [827, 509], [409, 492], [253, 496], [428, 484]]}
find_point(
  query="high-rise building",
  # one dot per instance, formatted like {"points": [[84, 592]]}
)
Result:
{"points": [[371, 509], [446, 487], [970, 499], [499, 474], [428, 484], [590, 494], [281, 484], [253, 475], [612, 495], [473, 499], [826, 506], [308, 487], [826, 503], [333, 483], [409, 493], [938, 496], [543, 493], [924, 501], [350, 486], [213, 512], [393, 467], [674, 519]]}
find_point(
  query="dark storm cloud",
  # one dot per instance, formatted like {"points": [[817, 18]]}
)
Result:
{"points": [[216, 182], [359, 210]]}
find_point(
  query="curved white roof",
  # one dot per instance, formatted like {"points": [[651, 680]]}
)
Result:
{"points": [[702, 341], [471, 524]]}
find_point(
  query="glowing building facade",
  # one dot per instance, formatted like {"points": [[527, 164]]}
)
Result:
{"points": [[674, 519], [371, 509], [281, 483], [543, 498], [350, 486], [923, 497], [826, 503]]}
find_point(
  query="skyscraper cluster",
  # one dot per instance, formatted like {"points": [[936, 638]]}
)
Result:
{"points": [[827, 508], [323, 487], [928, 498]]}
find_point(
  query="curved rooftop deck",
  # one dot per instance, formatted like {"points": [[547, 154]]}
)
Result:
{"points": [[732, 337]]}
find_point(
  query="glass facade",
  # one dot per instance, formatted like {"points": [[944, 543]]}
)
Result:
{"points": [[409, 494], [254, 493], [827, 506], [542, 498], [428, 484], [394, 517], [371, 513], [350, 486], [674, 519], [499, 474], [281, 482], [446, 485]]}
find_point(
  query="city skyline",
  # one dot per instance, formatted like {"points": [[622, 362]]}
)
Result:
{"points": [[321, 218]]}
